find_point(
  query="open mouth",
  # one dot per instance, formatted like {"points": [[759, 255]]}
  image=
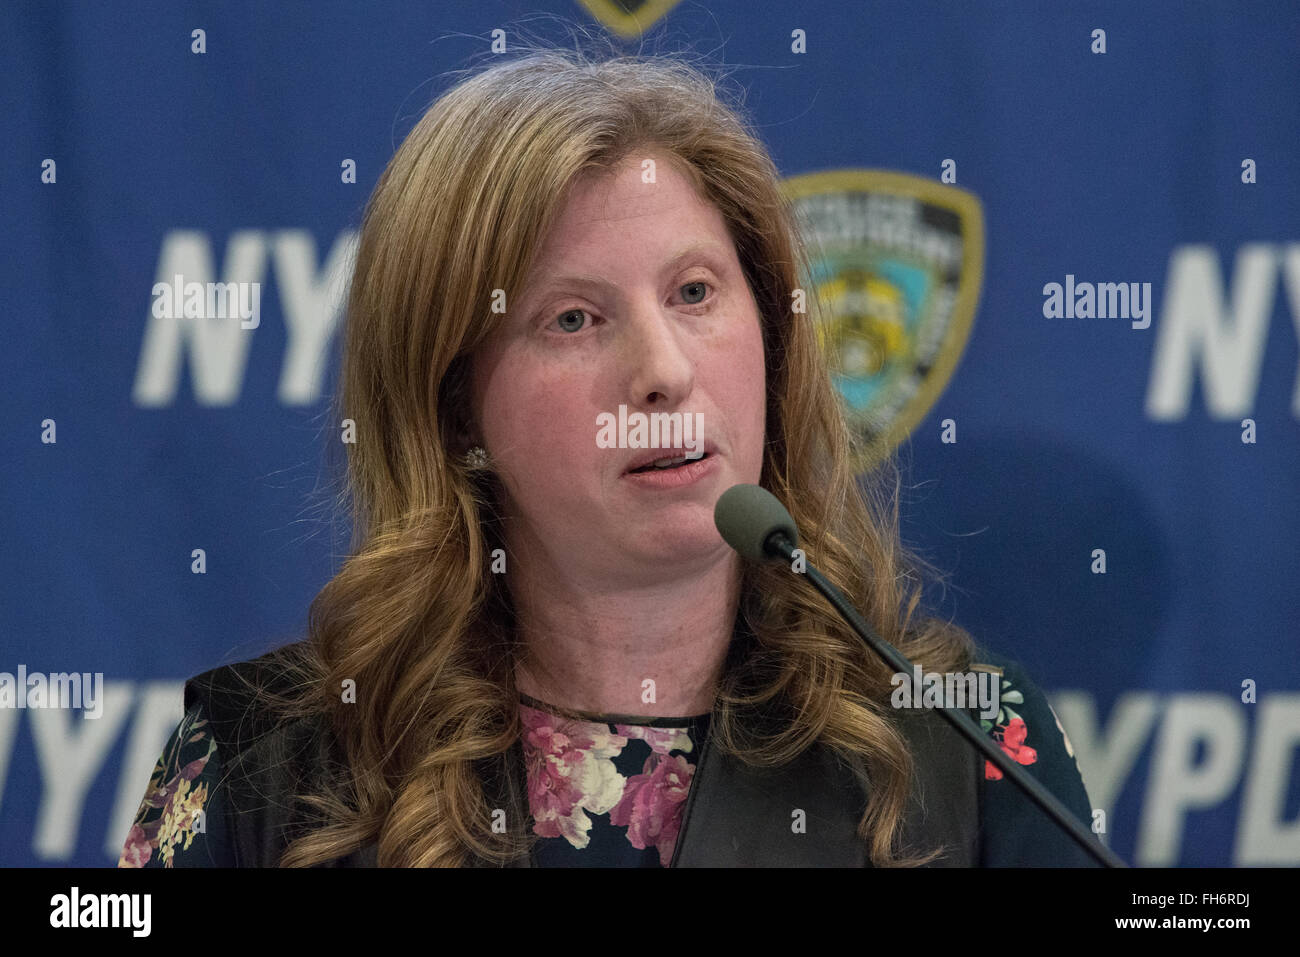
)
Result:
{"points": [[662, 465]]}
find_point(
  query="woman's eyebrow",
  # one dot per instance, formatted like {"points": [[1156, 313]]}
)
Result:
{"points": [[595, 282]]}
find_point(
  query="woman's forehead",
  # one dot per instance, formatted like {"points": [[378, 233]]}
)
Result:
{"points": [[658, 221]]}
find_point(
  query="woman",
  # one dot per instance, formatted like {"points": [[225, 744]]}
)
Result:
{"points": [[541, 641]]}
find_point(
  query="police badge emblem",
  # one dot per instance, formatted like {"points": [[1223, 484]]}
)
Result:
{"points": [[897, 265]]}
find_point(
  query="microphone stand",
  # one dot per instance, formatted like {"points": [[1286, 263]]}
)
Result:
{"points": [[779, 545]]}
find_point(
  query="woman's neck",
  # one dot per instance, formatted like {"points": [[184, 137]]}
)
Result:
{"points": [[653, 650]]}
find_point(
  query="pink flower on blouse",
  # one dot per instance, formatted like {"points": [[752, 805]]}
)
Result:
{"points": [[652, 804], [1013, 743], [138, 848], [570, 772]]}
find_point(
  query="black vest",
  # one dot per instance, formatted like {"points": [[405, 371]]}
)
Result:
{"points": [[735, 815]]}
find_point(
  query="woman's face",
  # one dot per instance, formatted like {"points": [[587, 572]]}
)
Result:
{"points": [[637, 300]]}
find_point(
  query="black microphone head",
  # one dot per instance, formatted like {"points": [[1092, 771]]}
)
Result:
{"points": [[747, 515]]}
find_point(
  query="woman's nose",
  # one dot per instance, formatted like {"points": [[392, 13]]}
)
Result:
{"points": [[658, 358]]}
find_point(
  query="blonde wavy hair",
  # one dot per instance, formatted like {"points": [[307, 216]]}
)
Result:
{"points": [[415, 616]]}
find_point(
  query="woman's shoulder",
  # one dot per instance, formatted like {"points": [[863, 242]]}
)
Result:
{"points": [[231, 767], [267, 726], [181, 820], [237, 700], [1021, 702], [1026, 727]]}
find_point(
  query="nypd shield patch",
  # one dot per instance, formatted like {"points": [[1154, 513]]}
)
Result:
{"points": [[897, 264]]}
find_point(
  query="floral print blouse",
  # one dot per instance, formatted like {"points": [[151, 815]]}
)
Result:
{"points": [[609, 790], [605, 792], [171, 826]]}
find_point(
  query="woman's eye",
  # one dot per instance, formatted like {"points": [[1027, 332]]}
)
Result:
{"points": [[571, 320], [699, 285]]}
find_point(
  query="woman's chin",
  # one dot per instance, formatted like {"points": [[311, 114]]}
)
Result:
{"points": [[677, 542]]}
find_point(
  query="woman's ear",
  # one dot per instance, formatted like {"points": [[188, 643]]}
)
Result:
{"points": [[464, 435], [464, 431]]}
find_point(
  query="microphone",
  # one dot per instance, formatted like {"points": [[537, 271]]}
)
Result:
{"points": [[747, 516], [753, 522]]}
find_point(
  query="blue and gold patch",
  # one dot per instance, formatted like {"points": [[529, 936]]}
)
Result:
{"points": [[897, 263]]}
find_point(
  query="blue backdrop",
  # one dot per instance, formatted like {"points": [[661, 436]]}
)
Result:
{"points": [[1106, 512]]}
